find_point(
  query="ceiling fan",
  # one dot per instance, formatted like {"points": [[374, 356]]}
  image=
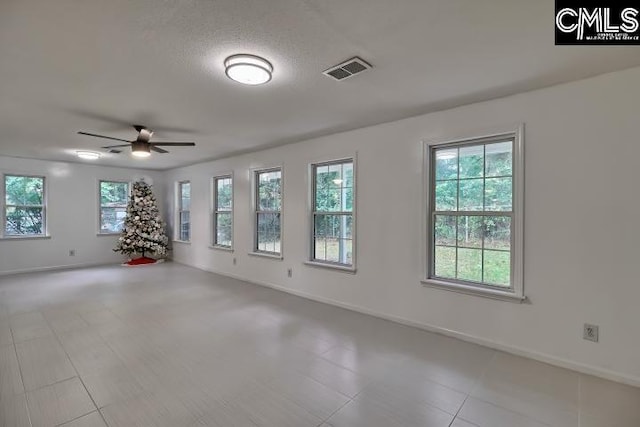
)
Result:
{"points": [[141, 147]]}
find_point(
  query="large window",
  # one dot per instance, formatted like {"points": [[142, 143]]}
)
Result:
{"points": [[184, 213], [113, 206], [25, 207], [332, 216], [223, 212], [268, 207], [474, 222]]}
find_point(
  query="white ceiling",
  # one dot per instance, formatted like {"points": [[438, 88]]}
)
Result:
{"points": [[70, 65]]}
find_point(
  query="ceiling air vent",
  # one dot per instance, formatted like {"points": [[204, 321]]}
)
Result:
{"points": [[347, 69]]}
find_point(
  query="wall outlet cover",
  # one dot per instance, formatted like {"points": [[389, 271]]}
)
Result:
{"points": [[590, 332]]}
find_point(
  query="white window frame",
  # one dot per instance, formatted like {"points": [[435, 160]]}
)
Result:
{"points": [[215, 211], [312, 261], [180, 210], [516, 290], [100, 232], [255, 175], [3, 204]]}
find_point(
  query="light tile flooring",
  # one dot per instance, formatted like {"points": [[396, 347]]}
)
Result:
{"points": [[173, 346]]}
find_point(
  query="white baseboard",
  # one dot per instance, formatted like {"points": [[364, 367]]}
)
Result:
{"points": [[519, 351], [56, 268]]}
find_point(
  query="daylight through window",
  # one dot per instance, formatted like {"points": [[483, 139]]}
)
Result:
{"points": [[24, 211], [332, 220]]}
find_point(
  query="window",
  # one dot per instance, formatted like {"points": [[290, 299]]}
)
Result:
{"points": [[184, 214], [474, 215], [332, 213], [24, 210], [268, 207], [113, 206], [223, 211]]}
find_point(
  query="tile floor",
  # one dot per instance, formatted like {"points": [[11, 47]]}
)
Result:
{"points": [[173, 346]]}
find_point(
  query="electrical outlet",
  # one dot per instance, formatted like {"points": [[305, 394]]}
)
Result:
{"points": [[234, 261], [290, 272], [72, 252], [590, 332]]}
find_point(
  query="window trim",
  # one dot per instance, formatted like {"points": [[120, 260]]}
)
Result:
{"points": [[215, 211], [100, 181], [516, 291], [254, 212], [179, 210], [3, 203], [311, 261]]}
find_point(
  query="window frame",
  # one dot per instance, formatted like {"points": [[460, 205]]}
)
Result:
{"points": [[180, 211], [311, 260], [3, 204], [100, 181], [255, 176], [515, 292], [215, 211]]}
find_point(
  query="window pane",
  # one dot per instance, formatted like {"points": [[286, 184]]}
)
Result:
{"points": [[112, 219], [445, 228], [446, 196], [113, 193], [223, 229], [185, 228], [470, 231], [224, 194], [23, 221], [268, 237], [269, 191], [334, 187], [347, 175], [447, 163], [445, 262], [499, 159], [497, 267], [470, 264], [497, 232], [320, 249], [24, 190], [185, 196], [335, 231], [471, 161], [497, 194], [470, 195]]}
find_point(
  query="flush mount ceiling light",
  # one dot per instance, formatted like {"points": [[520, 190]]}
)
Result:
{"points": [[140, 149], [248, 69], [88, 155]]}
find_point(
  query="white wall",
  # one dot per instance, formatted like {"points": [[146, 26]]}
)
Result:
{"points": [[582, 205], [72, 216]]}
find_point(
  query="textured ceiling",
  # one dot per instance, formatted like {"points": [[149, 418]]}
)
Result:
{"points": [[70, 65]]}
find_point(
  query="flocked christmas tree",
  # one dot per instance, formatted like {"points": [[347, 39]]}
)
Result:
{"points": [[143, 231]]}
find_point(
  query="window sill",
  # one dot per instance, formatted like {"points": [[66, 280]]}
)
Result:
{"points": [[477, 291], [277, 257], [184, 242], [108, 234], [44, 237], [221, 248], [341, 268]]}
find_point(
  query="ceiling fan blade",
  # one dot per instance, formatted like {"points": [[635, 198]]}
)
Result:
{"points": [[175, 144], [117, 146], [158, 149], [102, 136]]}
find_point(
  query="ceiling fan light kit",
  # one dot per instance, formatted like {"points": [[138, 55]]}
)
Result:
{"points": [[248, 69], [140, 149]]}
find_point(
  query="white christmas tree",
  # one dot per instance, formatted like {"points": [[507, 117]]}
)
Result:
{"points": [[143, 231]]}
